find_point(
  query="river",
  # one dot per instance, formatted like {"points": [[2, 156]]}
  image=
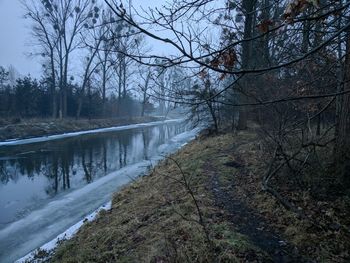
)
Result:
{"points": [[48, 185]]}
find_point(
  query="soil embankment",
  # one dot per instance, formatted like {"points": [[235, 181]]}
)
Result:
{"points": [[29, 128]]}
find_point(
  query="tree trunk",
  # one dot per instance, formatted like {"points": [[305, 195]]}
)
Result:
{"points": [[248, 6], [61, 80], [120, 77], [124, 77], [339, 80], [306, 36], [65, 87], [81, 96], [80, 105], [53, 85], [342, 145], [143, 104], [104, 82], [213, 116]]}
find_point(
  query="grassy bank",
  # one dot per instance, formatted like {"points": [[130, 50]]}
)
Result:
{"points": [[28, 128], [205, 204]]}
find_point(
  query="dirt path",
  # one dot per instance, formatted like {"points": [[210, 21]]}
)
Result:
{"points": [[250, 223]]}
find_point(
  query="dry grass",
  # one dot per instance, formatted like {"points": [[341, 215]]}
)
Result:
{"points": [[155, 220]]}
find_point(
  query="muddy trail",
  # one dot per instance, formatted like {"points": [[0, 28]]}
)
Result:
{"points": [[250, 223]]}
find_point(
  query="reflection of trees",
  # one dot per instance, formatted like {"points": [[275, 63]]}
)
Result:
{"points": [[85, 158], [112, 154], [161, 137], [101, 160], [146, 140], [87, 166], [123, 149], [55, 173], [104, 157], [10, 170], [178, 129], [5, 176], [124, 140], [169, 130], [94, 159], [27, 166], [58, 171], [65, 172]]}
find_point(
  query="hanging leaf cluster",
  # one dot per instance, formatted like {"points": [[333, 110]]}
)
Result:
{"points": [[295, 7], [265, 25], [226, 59]]}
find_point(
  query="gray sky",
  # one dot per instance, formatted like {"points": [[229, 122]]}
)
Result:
{"points": [[14, 39]]}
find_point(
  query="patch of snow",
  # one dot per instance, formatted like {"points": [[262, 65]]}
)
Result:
{"points": [[68, 234], [13, 142], [45, 224]]}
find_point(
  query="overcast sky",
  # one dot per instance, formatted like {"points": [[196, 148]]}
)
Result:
{"points": [[15, 37]]}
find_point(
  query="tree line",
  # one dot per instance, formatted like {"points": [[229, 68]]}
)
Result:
{"points": [[87, 71], [283, 65], [31, 98]]}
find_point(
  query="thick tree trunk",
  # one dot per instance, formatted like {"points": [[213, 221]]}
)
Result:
{"points": [[248, 6], [342, 145], [266, 39], [339, 82]]}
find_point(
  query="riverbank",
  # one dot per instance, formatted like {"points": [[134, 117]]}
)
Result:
{"points": [[205, 204], [28, 128]]}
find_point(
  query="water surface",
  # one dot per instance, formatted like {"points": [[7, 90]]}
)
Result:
{"points": [[45, 187]]}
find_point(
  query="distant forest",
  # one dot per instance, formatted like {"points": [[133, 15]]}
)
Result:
{"points": [[87, 68], [30, 98]]}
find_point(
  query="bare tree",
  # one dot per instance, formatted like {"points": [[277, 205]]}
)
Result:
{"points": [[145, 87], [56, 28], [281, 63]]}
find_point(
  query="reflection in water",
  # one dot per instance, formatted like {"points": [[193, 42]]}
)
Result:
{"points": [[32, 175]]}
